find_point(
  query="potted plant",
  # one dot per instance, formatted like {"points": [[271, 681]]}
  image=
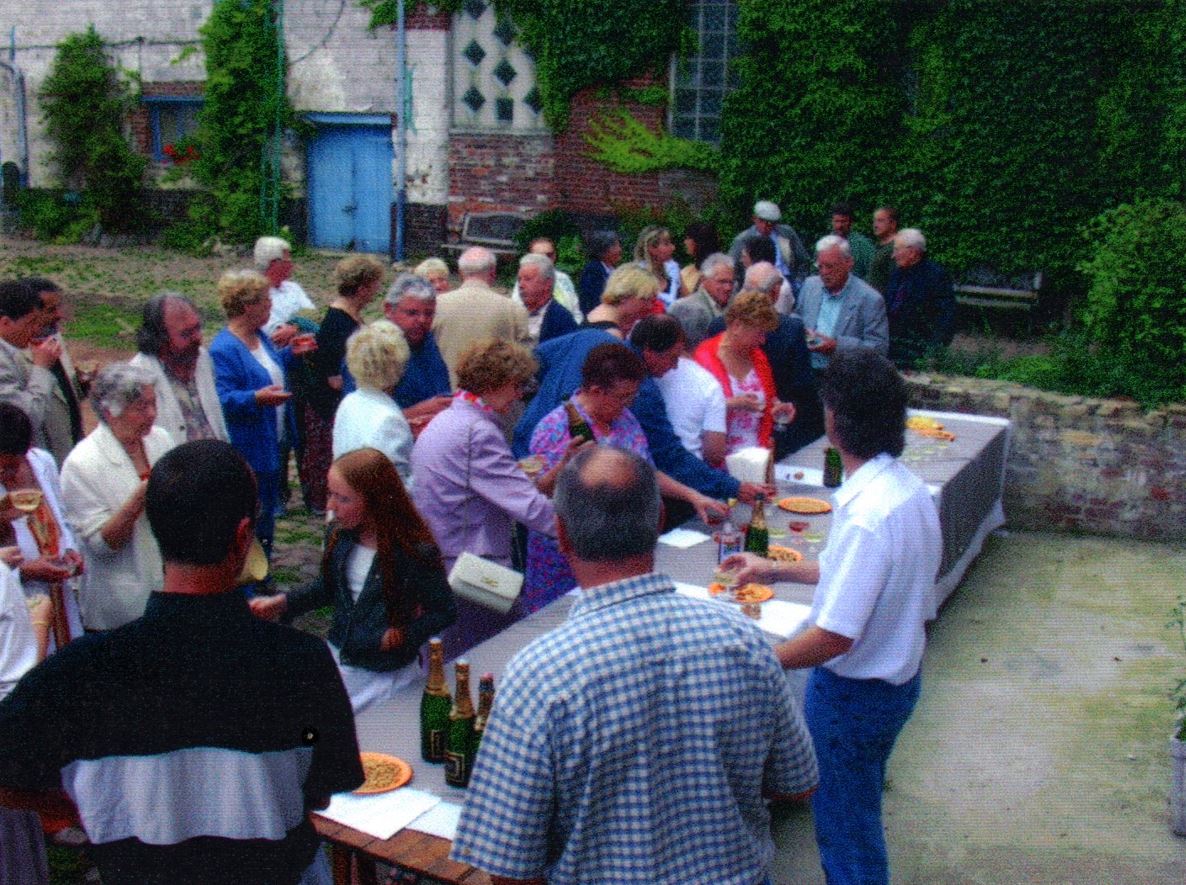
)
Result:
{"points": [[1178, 740]]}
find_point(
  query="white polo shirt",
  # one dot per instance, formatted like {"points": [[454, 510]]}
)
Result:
{"points": [[877, 572], [695, 403]]}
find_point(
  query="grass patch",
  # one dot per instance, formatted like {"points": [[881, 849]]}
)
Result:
{"points": [[104, 325]]}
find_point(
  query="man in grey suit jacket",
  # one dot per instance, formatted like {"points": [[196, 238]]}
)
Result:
{"points": [[27, 386], [840, 310], [62, 425]]}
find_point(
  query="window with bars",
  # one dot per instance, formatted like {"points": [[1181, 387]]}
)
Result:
{"points": [[171, 119], [493, 76], [700, 81]]}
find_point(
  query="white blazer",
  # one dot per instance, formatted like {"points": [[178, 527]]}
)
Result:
{"points": [[168, 410], [97, 478], [371, 419]]}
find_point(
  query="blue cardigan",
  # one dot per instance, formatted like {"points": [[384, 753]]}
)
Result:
{"points": [[237, 376]]}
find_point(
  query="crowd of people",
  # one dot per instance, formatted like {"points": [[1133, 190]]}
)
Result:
{"points": [[449, 427]]}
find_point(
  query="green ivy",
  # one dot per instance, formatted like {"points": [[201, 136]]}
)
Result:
{"points": [[625, 144], [577, 45], [84, 105], [243, 100], [819, 99]]}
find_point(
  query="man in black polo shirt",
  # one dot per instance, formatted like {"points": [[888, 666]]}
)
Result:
{"points": [[195, 740]]}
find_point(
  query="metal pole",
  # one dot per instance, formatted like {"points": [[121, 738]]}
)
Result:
{"points": [[401, 141]]}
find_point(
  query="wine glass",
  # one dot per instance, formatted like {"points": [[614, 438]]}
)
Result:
{"points": [[25, 500]]}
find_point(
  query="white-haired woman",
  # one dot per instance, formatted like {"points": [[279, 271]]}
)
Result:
{"points": [[103, 483], [369, 418]]}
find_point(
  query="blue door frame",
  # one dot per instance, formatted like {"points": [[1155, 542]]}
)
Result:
{"points": [[348, 175]]}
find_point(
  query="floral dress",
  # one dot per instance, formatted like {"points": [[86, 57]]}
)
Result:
{"points": [[548, 574], [741, 425]]}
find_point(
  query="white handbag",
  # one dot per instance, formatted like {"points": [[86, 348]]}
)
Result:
{"points": [[486, 583], [479, 580]]}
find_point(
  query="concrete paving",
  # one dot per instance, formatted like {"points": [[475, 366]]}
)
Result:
{"points": [[1038, 752]]}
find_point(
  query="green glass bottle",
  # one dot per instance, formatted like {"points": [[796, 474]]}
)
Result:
{"points": [[833, 468], [485, 704], [578, 427], [434, 706], [459, 744], [757, 535]]}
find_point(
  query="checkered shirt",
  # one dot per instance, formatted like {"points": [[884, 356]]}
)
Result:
{"points": [[634, 744]]}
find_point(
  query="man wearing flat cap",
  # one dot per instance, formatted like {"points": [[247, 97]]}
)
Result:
{"points": [[790, 256]]}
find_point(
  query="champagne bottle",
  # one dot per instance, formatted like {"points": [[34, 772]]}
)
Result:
{"points": [[757, 535], [459, 744], [485, 703], [578, 427], [434, 706], [833, 468]]}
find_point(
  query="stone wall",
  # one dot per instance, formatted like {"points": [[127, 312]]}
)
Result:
{"points": [[1077, 464]]}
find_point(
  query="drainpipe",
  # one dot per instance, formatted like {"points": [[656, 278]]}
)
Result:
{"points": [[401, 141], [21, 110]]}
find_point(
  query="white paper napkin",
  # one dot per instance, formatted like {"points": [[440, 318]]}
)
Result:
{"points": [[440, 820], [808, 476], [381, 815], [683, 538]]}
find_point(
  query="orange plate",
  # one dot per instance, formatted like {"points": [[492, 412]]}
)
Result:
{"points": [[383, 773], [783, 554], [807, 506], [745, 593], [937, 433]]}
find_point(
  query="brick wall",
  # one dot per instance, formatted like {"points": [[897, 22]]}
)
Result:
{"points": [[425, 228], [496, 172], [1077, 464]]}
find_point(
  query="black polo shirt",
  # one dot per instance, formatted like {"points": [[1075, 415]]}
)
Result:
{"points": [[192, 740]]}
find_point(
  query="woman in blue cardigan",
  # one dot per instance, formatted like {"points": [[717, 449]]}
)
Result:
{"points": [[382, 573], [249, 376]]}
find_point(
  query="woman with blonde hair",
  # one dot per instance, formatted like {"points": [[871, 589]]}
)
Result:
{"points": [[629, 296], [654, 250], [359, 279], [382, 573], [436, 272], [368, 417], [736, 359], [249, 377]]}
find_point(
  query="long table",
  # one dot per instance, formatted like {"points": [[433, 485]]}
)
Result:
{"points": [[966, 478]]}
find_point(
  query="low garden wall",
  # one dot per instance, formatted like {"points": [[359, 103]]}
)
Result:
{"points": [[1103, 466]]}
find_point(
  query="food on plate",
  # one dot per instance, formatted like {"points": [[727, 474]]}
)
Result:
{"points": [[921, 422], [808, 506], [746, 593], [783, 554], [936, 433], [383, 773]]}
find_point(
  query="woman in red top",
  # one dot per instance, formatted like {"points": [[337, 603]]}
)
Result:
{"points": [[736, 360]]}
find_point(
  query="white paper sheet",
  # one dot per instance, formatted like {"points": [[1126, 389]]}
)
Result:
{"points": [[440, 820], [683, 538], [779, 617], [382, 815]]}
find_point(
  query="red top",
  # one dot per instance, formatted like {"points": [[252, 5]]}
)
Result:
{"points": [[708, 355]]}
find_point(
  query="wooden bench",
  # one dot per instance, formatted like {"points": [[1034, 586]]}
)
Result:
{"points": [[984, 287], [495, 231]]}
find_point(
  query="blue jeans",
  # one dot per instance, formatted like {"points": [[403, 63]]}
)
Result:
{"points": [[854, 723]]}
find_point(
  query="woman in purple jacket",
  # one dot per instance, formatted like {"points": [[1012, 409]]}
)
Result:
{"points": [[469, 488]]}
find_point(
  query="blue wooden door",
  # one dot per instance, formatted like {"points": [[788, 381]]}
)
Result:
{"points": [[349, 187]]}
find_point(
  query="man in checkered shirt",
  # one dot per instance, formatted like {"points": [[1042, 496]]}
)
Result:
{"points": [[638, 741]]}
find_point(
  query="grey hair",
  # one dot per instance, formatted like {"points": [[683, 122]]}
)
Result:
{"points": [[831, 241], [410, 285], [911, 237], [117, 386], [717, 259], [615, 512], [476, 260], [764, 277], [152, 336], [267, 250], [546, 269]]}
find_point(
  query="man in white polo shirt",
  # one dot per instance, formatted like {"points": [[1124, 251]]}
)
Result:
{"points": [[875, 593]]}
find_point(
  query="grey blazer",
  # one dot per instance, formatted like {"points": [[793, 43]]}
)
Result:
{"points": [[862, 321]]}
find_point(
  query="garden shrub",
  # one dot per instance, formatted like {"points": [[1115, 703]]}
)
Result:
{"points": [[1135, 308], [244, 108], [84, 105]]}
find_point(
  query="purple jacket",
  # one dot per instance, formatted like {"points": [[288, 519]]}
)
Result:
{"points": [[469, 488]]}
